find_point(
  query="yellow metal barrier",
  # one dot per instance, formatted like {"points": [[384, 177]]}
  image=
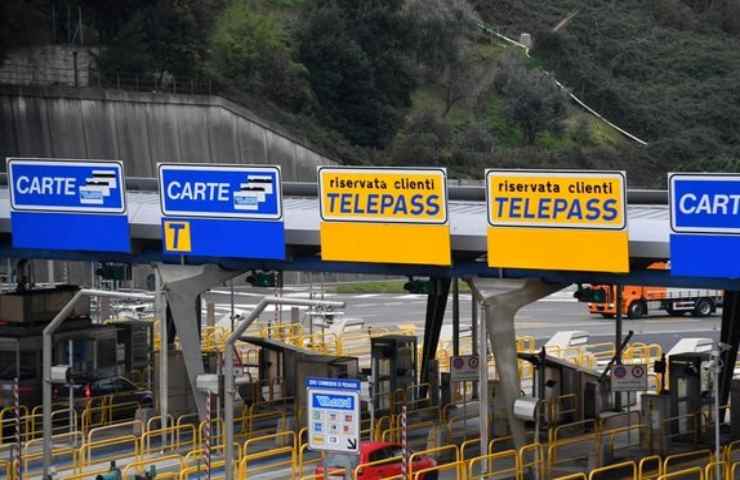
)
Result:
{"points": [[733, 471], [642, 469], [158, 418], [573, 476], [175, 433], [199, 455], [695, 472], [6, 468], [615, 467], [431, 452], [682, 457], [57, 454], [186, 472], [217, 431], [302, 462], [457, 467], [272, 454], [538, 459], [490, 471], [473, 442], [86, 451], [139, 466], [555, 433], [358, 469], [584, 453], [86, 475], [116, 426]]}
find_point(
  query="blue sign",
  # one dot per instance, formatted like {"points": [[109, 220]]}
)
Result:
{"points": [[50, 186], [222, 211], [349, 384], [705, 221], [68, 205], [334, 401], [705, 203], [220, 191]]}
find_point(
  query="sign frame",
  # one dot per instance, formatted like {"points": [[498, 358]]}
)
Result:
{"points": [[348, 388], [468, 372], [717, 177], [420, 170], [556, 173], [273, 169], [630, 379], [79, 163]]}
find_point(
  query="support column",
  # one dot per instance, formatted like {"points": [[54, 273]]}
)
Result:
{"points": [[183, 285], [501, 300], [730, 334], [455, 317], [436, 305]]}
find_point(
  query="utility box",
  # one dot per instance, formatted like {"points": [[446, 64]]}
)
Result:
{"points": [[40, 305], [656, 409], [689, 391], [394, 365]]}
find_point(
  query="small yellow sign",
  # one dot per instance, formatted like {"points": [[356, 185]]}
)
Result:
{"points": [[386, 195], [177, 236], [557, 220], [384, 215]]}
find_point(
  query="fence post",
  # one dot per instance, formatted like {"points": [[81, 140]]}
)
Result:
{"points": [[404, 444], [208, 434], [18, 443]]}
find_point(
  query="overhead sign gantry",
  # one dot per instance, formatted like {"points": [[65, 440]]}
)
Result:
{"points": [[384, 215], [222, 211], [705, 224], [557, 220], [68, 205]]}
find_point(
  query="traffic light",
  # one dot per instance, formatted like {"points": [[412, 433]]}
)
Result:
{"points": [[114, 271], [262, 279], [590, 295], [418, 286]]}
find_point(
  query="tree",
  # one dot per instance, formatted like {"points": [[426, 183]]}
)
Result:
{"points": [[531, 99], [159, 37], [356, 54], [253, 50]]}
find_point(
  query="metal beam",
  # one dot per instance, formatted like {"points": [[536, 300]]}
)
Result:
{"points": [[229, 390], [729, 334]]}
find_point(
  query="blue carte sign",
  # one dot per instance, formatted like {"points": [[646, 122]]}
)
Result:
{"points": [[68, 205], [705, 224], [222, 211]]}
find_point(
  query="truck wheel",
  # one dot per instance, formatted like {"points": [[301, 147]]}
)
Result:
{"points": [[703, 308], [636, 309]]}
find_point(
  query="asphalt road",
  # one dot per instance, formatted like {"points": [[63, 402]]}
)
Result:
{"points": [[541, 319]]}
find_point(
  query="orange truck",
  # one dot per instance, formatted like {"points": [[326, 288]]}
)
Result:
{"points": [[639, 301]]}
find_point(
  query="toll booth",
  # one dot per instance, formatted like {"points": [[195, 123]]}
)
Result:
{"points": [[394, 366], [575, 391], [283, 369]]}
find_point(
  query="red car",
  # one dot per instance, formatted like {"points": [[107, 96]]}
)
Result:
{"points": [[377, 451]]}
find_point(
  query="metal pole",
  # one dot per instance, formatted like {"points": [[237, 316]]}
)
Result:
{"points": [[48, 336], [18, 443], [208, 433], [229, 390], [483, 385], [404, 444], [618, 341], [717, 448], [70, 361], [163, 354], [231, 301], [474, 331], [455, 317]]}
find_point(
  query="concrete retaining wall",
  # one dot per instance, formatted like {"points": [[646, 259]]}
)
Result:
{"points": [[142, 129]]}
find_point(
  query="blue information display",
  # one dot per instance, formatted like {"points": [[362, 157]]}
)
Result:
{"points": [[68, 205], [334, 414], [222, 211], [705, 224]]}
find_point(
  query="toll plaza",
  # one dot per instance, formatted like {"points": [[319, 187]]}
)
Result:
{"points": [[195, 377]]}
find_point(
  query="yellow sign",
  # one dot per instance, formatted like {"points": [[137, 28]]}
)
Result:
{"points": [[388, 195], [384, 215], [564, 220], [177, 236]]}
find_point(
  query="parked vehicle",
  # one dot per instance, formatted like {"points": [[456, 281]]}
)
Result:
{"points": [[377, 451], [123, 390]]}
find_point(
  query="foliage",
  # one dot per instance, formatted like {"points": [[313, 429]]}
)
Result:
{"points": [[253, 51], [531, 99], [356, 56]]}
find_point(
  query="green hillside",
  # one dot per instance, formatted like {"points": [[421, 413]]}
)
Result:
{"points": [[419, 82]]}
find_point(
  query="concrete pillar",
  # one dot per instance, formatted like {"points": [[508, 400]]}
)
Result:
{"points": [[502, 299], [183, 285]]}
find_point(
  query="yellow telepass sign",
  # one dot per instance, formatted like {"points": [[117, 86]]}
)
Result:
{"points": [[384, 215], [564, 220]]}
